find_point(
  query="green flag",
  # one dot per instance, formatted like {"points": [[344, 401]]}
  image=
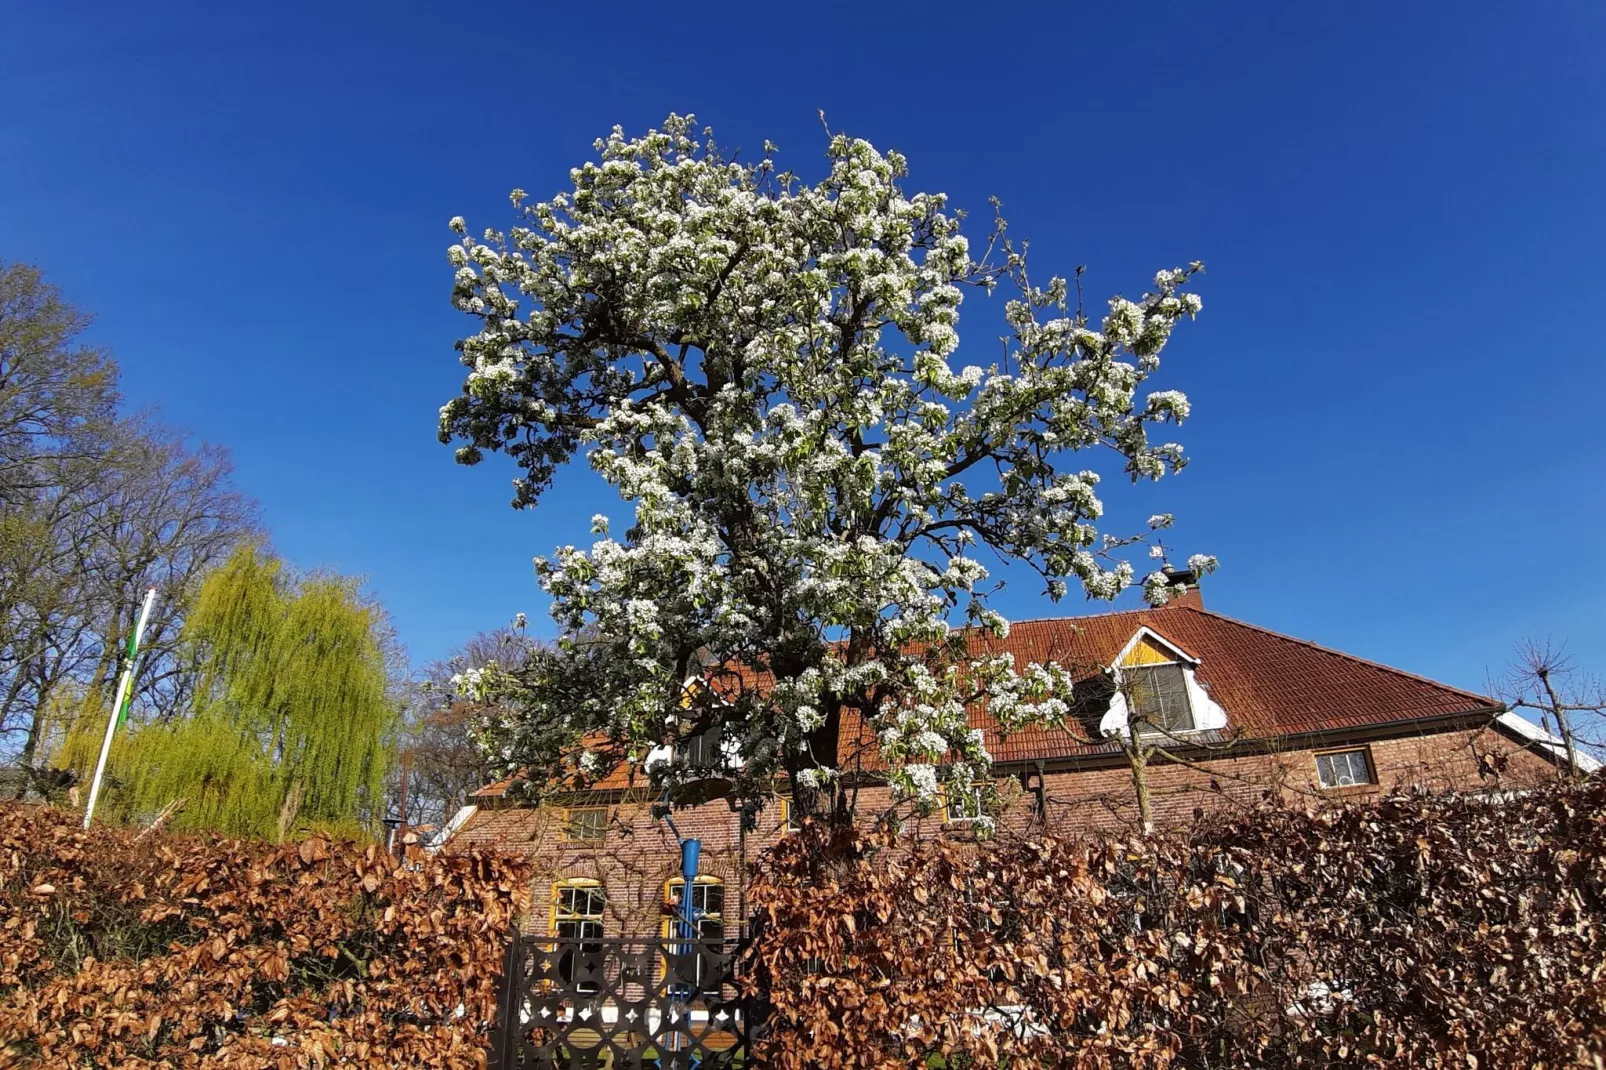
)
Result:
{"points": [[130, 652]]}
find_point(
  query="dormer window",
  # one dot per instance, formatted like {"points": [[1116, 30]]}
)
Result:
{"points": [[702, 750], [1157, 692], [1157, 697]]}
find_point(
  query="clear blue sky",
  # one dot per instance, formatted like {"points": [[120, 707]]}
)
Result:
{"points": [[1397, 441]]}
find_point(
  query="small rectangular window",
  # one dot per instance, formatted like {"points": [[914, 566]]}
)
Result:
{"points": [[1343, 769], [959, 806], [586, 824], [789, 820]]}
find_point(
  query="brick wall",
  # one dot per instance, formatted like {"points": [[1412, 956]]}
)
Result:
{"points": [[638, 853], [637, 856]]}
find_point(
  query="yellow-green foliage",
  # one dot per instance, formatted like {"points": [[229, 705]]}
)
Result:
{"points": [[291, 719]]}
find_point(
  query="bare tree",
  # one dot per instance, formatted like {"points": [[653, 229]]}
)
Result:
{"points": [[445, 763], [58, 399], [93, 509], [1542, 677]]}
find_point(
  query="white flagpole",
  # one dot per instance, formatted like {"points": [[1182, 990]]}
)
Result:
{"points": [[123, 684]]}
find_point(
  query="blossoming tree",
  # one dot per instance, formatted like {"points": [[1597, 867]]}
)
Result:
{"points": [[766, 370]]}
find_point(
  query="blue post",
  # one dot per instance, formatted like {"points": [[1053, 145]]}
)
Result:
{"points": [[689, 852]]}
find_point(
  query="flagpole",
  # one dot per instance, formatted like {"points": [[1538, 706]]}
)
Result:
{"points": [[124, 683]]}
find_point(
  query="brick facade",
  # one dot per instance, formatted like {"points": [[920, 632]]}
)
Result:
{"points": [[638, 853], [1285, 702]]}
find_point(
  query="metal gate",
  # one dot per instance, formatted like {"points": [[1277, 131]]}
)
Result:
{"points": [[620, 1003]]}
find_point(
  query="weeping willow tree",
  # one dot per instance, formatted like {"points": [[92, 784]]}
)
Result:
{"points": [[292, 719]]}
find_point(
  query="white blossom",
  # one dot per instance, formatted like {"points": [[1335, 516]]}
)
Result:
{"points": [[769, 374], [922, 780]]}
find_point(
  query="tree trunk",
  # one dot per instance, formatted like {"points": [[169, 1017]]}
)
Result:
{"points": [[287, 813], [1138, 759], [26, 758], [30, 746], [1563, 723]]}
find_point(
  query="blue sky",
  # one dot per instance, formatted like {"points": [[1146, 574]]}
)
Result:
{"points": [[1401, 208]]}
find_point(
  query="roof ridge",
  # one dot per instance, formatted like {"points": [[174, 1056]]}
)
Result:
{"points": [[1407, 674], [1090, 616]]}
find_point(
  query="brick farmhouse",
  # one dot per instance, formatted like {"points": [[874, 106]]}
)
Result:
{"points": [[1253, 717]]}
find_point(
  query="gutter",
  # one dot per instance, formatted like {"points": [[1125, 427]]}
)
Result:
{"points": [[1115, 757], [1495, 716]]}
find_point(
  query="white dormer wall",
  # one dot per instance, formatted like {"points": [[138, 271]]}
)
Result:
{"points": [[1207, 712], [730, 749]]}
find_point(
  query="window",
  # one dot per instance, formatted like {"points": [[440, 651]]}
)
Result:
{"points": [[707, 901], [789, 815], [1157, 696], [577, 911], [1344, 768], [960, 806], [586, 824], [702, 751]]}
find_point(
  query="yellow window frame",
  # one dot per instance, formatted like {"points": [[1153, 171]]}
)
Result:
{"points": [[589, 838], [788, 822], [669, 921], [558, 887]]}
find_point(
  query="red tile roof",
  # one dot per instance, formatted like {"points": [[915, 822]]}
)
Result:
{"points": [[1269, 684]]}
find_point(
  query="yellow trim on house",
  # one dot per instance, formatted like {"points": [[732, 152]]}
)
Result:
{"points": [[786, 814], [1147, 652], [573, 882]]}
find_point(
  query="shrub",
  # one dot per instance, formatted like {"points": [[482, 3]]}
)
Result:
{"points": [[1421, 931], [144, 952]]}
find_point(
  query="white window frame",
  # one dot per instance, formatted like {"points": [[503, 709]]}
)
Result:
{"points": [[974, 811], [1348, 753]]}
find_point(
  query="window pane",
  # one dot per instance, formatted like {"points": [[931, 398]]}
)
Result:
{"points": [[964, 805], [581, 901], [1357, 767], [587, 824], [707, 897], [1158, 695], [702, 750], [1343, 769]]}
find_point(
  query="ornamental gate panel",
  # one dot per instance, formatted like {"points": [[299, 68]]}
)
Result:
{"points": [[620, 1003]]}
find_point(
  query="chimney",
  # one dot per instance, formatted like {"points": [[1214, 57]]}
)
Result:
{"points": [[1184, 586]]}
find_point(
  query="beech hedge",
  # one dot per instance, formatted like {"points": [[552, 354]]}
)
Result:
{"points": [[1422, 931], [118, 950]]}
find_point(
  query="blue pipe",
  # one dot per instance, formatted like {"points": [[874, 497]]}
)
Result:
{"points": [[690, 851]]}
